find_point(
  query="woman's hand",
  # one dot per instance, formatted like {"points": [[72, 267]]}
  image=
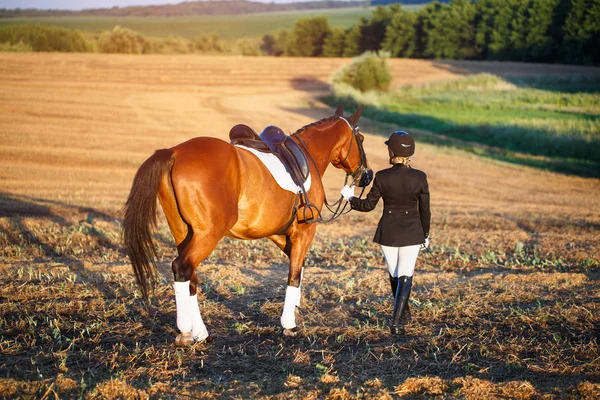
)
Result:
{"points": [[348, 192]]}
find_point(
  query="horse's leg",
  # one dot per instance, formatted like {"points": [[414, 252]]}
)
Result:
{"points": [[200, 240], [285, 244], [301, 241], [189, 319]]}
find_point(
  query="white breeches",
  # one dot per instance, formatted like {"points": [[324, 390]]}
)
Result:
{"points": [[401, 260]]}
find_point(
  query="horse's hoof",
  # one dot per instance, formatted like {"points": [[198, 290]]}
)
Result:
{"points": [[397, 330], [184, 339], [290, 332]]}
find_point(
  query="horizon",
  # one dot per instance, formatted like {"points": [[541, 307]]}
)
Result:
{"points": [[78, 5]]}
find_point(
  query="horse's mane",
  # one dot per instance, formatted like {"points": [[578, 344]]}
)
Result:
{"points": [[312, 124]]}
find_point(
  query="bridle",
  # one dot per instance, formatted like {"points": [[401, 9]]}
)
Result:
{"points": [[362, 170]]}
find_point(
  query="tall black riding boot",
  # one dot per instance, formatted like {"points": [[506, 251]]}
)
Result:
{"points": [[394, 285], [401, 314]]}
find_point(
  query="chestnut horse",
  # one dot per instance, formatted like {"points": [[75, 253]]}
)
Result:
{"points": [[209, 189]]}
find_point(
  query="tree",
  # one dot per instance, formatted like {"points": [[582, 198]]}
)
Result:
{"points": [[448, 29], [537, 39], [307, 37], [582, 33], [485, 18], [334, 44], [373, 31], [400, 35], [352, 42], [500, 35], [269, 45]]}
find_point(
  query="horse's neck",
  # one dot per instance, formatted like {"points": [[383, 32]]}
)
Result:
{"points": [[320, 145]]}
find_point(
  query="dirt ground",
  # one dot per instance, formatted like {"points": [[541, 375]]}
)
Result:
{"points": [[74, 128]]}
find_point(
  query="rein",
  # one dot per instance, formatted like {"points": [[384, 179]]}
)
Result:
{"points": [[330, 206]]}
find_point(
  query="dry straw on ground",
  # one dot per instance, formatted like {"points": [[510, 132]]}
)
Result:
{"points": [[506, 305]]}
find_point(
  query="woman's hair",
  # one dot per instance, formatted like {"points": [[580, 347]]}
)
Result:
{"points": [[400, 160]]}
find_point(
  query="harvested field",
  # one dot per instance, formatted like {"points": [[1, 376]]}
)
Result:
{"points": [[506, 305]]}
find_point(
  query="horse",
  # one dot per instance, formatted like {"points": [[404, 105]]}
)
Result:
{"points": [[209, 189]]}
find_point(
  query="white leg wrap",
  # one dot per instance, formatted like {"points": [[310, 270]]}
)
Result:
{"points": [[182, 300], [199, 331], [288, 317]]}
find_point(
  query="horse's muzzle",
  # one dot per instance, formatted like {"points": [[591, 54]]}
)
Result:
{"points": [[365, 178]]}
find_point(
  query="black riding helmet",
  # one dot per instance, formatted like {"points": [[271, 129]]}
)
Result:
{"points": [[401, 144]]}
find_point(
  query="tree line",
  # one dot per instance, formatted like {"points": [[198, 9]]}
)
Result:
{"points": [[548, 31]]}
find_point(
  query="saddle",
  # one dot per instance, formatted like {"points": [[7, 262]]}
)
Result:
{"points": [[273, 140]]}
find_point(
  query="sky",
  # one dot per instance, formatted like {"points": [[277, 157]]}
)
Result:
{"points": [[83, 4]]}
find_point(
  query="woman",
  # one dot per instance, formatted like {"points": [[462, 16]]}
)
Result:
{"points": [[404, 225]]}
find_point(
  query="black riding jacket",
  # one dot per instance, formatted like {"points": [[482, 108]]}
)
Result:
{"points": [[406, 215]]}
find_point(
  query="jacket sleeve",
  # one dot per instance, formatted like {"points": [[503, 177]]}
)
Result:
{"points": [[424, 211], [369, 202]]}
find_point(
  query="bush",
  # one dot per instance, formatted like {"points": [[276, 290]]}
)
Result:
{"points": [[367, 72], [123, 40], [174, 45], [208, 43], [44, 38], [15, 48], [247, 47]]}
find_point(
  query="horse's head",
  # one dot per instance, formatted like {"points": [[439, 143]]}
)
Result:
{"points": [[350, 155]]}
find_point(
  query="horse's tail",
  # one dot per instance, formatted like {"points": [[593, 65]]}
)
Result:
{"points": [[140, 217]]}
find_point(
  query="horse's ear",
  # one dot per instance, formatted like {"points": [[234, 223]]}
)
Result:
{"points": [[339, 112], [353, 119]]}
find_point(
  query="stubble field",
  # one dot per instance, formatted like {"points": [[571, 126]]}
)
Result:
{"points": [[506, 305]]}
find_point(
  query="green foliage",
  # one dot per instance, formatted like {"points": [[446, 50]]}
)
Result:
{"points": [[43, 38], [15, 48], [400, 35], [373, 31], [274, 44], [247, 47], [352, 41], [448, 32], [366, 73], [334, 44], [208, 43], [369, 34], [543, 117], [565, 31], [582, 33], [123, 40], [307, 37]]}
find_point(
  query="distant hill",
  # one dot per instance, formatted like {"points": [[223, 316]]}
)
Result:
{"points": [[190, 8], [407, 2]]}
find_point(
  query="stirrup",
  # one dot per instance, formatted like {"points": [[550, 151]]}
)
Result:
{"points": [[313, 211]]}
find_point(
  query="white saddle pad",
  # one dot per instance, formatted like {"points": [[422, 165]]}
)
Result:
{"points": [[277, 169]]}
